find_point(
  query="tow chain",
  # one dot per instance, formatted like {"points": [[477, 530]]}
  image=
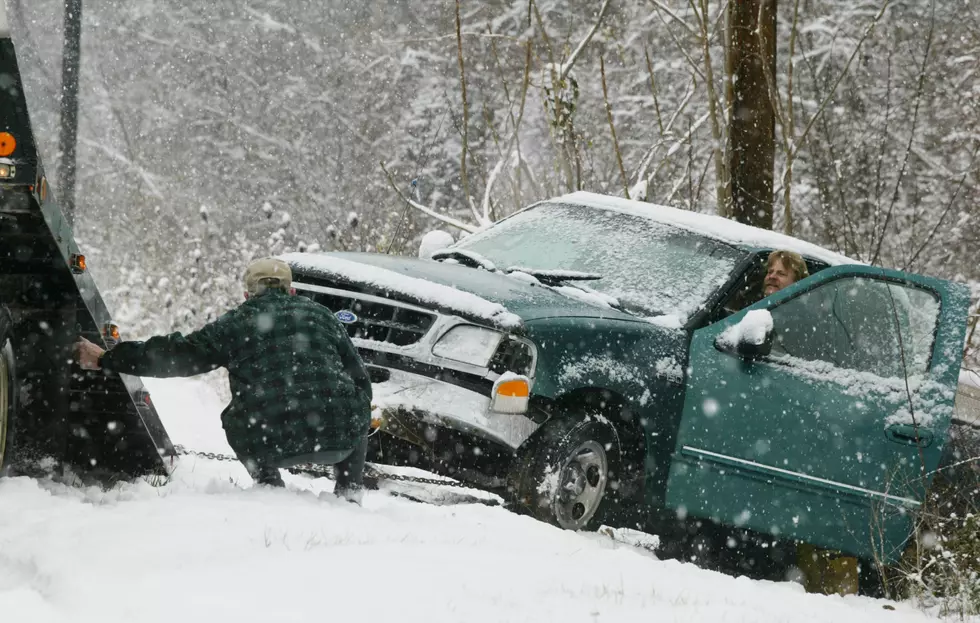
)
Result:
{"points": [[328, 470]]}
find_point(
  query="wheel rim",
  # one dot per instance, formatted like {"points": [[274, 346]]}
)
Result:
{"points": [[581, 485], [4, 404]]}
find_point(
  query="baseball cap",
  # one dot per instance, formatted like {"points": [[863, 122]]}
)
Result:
{"points": [[269, 272]]}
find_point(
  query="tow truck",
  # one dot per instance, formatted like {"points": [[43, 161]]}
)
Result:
{"points": [[55, 418]]}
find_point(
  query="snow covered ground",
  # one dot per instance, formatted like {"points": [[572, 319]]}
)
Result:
{"points": [[202, 549]]}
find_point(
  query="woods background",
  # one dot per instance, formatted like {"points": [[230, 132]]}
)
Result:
{"points": [[215, 131]]}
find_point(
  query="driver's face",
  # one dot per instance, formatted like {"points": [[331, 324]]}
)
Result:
{"points": [[777, 278]]}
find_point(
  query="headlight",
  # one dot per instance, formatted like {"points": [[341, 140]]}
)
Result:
{"points": [[514, 355], [468, 344]]}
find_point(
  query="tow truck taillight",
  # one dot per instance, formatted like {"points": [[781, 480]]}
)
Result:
{"points": [[77, 262], [110, 332], [143, 396], [7, 144]]}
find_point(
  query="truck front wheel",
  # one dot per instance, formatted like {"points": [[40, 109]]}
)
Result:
{"points": [[8, 392], [563, 475]]}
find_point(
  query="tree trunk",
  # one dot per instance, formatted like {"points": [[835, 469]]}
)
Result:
{"points": [[751, 152], [70, 69]]}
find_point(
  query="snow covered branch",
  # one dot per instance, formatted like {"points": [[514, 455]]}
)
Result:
{"points": [[567, 65], [448, 220]]}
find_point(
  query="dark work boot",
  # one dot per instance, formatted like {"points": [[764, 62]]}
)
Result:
{"points": [[350, 474], [264, 474]]}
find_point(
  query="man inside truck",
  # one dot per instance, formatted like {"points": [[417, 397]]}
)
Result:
{"points": [[783, 268], [300, 392]]}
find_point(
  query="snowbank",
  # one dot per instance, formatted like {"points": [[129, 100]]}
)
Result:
{"points": [[202, 549]]}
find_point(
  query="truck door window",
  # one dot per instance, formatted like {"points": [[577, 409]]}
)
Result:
{"points": [[871, 325]]}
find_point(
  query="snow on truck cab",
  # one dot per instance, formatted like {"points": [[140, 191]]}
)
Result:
{"points": [[591, 354], [52, 414]]}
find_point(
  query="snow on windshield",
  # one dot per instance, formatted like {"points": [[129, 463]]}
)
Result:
{"points": [[644, 264]]}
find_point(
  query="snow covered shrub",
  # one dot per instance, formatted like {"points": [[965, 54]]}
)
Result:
{"points": [[941, 568]]}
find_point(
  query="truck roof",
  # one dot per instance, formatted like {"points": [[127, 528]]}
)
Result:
{"points": [[717, 227]]}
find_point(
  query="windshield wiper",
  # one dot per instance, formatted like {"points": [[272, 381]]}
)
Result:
{"points": [[570, 288], [565, 280], [555, 277], [467, 258]]}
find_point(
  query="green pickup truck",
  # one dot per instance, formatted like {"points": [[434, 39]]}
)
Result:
{"points": [[591, 354]]}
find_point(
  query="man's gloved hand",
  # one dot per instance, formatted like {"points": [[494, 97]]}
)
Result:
{"points": [[87, 354]]}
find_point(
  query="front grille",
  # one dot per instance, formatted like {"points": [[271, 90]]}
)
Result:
{"points": [[376, 360], [379, 322]]}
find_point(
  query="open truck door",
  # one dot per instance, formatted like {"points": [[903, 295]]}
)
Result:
{"points": [[821, 412], [54, 413]]}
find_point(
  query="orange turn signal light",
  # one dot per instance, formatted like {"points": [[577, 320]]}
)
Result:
{"points": [[511, 394], [514, 389], [7, 144]]}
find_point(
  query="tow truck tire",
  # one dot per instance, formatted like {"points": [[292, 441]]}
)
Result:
{"points": [[8, 392], [563, 474]]}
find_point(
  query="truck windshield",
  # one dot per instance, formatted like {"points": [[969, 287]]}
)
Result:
{"points": [[649, 266]]}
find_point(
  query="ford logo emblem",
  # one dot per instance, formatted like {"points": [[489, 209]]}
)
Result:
{"points": [[346, 317]]}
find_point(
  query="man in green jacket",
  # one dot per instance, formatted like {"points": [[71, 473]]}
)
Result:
{"points": [[300, 392]]}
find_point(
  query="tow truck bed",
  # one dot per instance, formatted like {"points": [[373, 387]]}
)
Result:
{"points": [[101, 425]]}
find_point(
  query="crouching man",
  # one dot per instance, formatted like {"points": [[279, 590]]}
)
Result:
{"points": [[300, 392]]}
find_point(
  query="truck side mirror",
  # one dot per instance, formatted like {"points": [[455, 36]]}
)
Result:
{"points": [[434, 241], [750, 338]]}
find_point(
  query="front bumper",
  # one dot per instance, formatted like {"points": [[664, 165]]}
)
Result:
{"points": [[410, 405]]}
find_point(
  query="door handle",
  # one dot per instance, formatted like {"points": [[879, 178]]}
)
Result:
{"points": [[909, 435]]}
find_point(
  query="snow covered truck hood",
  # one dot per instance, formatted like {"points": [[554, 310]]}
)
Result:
{"points": [[502, 300]]}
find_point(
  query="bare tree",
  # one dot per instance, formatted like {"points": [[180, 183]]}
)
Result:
{"points": [[751, 54]]}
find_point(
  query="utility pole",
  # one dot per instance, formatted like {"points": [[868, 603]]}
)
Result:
{"points": [[70, 70], [751, 154]]}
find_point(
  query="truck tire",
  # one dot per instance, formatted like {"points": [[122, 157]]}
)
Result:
{"points": [[562, 475], [8, 392]]}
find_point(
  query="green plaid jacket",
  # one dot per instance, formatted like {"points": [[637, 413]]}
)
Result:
{"points": [[298, 385]]}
